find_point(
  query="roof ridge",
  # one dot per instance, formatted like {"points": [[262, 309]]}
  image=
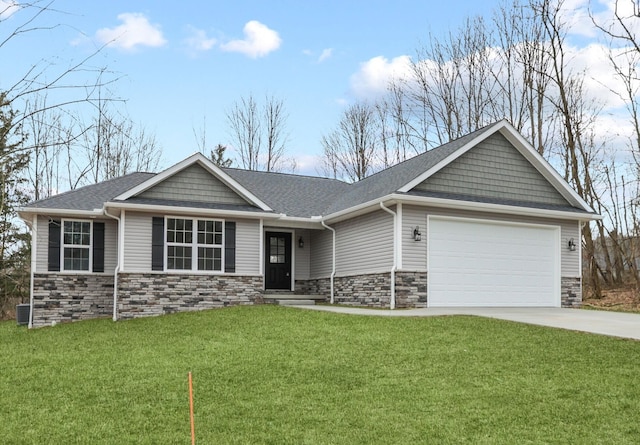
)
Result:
{"points": [[284, 174]]}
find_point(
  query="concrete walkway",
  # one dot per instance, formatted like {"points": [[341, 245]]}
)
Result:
{"points": [[615, 324]]}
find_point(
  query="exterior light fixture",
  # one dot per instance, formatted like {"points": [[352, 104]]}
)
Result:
{"points": [[417, 236], [571, 244], [300, 243]]}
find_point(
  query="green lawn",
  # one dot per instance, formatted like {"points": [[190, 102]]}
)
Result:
{"points": [[273, 375]]}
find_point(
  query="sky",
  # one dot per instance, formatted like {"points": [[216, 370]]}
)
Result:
{"points": [[182, 65]]}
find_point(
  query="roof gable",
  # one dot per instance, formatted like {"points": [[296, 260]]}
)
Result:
{"points": [[493, 169], [188, 175], [522, 146], [196, 184]]}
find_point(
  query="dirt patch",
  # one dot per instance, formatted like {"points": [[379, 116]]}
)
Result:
{"points": [[627, 300]]}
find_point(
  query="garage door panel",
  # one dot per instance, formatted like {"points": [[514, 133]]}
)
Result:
{"points": [[478, 263]]}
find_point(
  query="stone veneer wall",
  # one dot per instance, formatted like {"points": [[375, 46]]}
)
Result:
{"points": [[571, 292], [69, 297], [147, 294], [372, 290]]}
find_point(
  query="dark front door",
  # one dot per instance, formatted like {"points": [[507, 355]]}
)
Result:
{"points": [[278, 261]]}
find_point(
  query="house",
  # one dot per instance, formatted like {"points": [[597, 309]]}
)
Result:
{"points": [[483, 220]]}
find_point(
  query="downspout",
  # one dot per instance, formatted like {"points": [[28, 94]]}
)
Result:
{"points": [[117, 269], [333, 269], [32, 225], [392, 303]]}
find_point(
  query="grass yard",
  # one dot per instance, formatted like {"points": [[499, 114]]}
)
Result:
{"points": [[274, 375]]}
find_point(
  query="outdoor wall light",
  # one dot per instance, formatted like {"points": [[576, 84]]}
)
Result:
{"points": [[572, 244], [417, 236], [301, 243]]}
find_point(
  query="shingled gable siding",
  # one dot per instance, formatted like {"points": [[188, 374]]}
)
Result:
{"points": [[493, 169], [194, 183]]}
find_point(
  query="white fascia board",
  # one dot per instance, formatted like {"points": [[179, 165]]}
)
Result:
{"points": [[360, 209], [492, 208], [189, 210], [452, 157], [207, 165], [59, 212], [291, 222]]}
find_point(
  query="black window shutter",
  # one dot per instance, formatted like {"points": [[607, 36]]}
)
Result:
{"points": [[98, 247], [55, 228], [157, 243], [230, 246]]}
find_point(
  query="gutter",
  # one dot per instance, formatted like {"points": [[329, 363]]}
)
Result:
{"points": [[117, 269], [392, 303], [333, 269]]}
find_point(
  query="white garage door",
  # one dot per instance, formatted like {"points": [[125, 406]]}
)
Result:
{"points": [[484, 263]]}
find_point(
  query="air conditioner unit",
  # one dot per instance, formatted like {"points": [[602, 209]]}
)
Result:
{"points": [[22, 313]]}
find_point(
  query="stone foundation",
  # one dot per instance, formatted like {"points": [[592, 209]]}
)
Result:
{"points": [[571, 292], [146, 294], [372, 290], [68, 297], [411, 289]]}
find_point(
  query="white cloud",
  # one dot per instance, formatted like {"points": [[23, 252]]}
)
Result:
{"points": [[374, 75], [8, 8], [258, 41], [135, 31], [326, 53], [198, 40]]}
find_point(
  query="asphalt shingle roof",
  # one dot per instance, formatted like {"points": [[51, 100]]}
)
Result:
{"points": [[290, 194], [92, 196], [293, 195]]}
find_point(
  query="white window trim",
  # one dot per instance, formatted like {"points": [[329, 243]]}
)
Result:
{"points": [[194, 246], [64, 246]]}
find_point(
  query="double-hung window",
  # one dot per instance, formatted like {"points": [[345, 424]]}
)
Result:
{"points": [[76, 245], [194, 244]]}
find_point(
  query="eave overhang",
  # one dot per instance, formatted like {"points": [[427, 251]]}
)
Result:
{"points": [[395, 198]]}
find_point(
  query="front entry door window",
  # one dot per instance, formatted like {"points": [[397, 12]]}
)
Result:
{"points": [[278, 260]]}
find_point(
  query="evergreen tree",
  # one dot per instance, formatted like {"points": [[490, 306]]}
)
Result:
{"points": [[217, 155], [14, 241]]}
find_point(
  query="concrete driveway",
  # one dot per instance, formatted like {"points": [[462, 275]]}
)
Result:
{"points": [[615, 324]]}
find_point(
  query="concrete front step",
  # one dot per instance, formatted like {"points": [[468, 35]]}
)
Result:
{"points": [[296, 302], [285, 299]]}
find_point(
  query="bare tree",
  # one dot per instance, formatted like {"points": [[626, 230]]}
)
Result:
{"points": [[275, 126], [114, 145], [350, 149], [245, 126], [259, 133]]}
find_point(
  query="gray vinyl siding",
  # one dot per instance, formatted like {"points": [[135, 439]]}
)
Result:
{"points": [[302, 255], [321, 253], [417, 258], [194, 183], [42, 243], [137, 242], [494, 169], [247, 247], [110, 244], [137, 246], [364, 244], [414, 253]]}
